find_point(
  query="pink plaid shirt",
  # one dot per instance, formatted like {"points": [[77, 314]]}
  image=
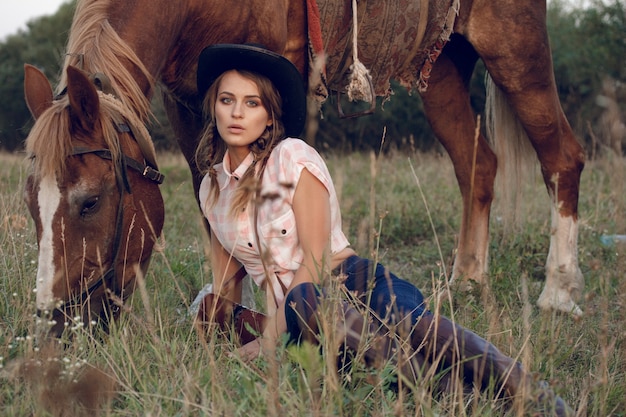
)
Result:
{"points": [[278, 235]]}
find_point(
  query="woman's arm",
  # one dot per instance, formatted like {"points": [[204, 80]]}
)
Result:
{"points": [[223, 267], [311, 206]]}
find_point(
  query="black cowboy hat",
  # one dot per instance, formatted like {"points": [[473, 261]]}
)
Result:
{"points": [[216, 59]]}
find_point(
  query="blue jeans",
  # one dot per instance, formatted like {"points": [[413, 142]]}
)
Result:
{"points": [[372, 284]]}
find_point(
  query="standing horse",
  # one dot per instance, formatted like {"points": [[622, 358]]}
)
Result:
{"points": [[81, 202]]}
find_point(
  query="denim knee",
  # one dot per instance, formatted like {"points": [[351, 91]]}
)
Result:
{"points": [[382, 290]]}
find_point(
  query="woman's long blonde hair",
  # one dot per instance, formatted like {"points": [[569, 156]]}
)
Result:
{"points": [[211, 148]]}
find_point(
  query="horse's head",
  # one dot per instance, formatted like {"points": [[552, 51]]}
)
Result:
{"points": [[93, 195]]}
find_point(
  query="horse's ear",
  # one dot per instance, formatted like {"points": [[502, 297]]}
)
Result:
{"points": [[84, 100], [37, 90]]}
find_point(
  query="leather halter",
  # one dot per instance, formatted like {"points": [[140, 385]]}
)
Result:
{"points": [[109, 278], [148, 170]]}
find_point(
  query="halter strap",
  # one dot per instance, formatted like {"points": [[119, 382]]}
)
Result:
{"points": [[103, 84], [108, 279], [144, 169]]}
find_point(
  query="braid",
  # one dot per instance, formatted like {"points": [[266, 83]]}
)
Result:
{"points": [[210, 151]]}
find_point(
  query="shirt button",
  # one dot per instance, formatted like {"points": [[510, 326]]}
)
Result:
{"points": [[284, 232], [250, 244]]}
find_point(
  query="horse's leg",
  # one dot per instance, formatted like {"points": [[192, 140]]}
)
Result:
{"points": [[447, 107], [519, 62], [187, 127]]}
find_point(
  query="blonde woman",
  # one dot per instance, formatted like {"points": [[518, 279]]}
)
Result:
{"points": [[274, 215]]}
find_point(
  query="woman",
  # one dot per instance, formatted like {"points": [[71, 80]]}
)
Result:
{"points": [[273, 214]]}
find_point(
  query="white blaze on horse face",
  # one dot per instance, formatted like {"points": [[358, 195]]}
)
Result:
{"points": [[564, 279], [48, 199]]}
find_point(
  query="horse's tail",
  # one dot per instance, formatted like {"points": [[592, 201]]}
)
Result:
{"points": [[512, 148]]}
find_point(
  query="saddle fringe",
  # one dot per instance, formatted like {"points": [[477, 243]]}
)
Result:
{"points": [[360, 86], [364, 74]]}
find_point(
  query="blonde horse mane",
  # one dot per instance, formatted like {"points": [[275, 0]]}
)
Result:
{"points": [[94, 47], [50, 142]]}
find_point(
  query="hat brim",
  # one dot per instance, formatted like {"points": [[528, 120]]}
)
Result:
{"points": [[217, 59]]}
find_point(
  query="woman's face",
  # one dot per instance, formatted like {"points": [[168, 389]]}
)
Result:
{"points": [[240, 115]]}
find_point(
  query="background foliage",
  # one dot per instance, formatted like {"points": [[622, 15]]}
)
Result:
{"points": [[588, 45]]}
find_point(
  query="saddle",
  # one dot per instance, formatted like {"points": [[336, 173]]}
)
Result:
{"points": [[394, 40]]}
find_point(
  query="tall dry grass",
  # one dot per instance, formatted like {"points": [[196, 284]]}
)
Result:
{"points": [[402, 209]]}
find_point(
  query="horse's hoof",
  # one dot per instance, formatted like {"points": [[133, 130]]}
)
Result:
{"points": [[559, 300], [467, 285]]}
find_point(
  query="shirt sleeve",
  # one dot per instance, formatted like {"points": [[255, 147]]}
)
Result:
{"points": [[294, 156]]}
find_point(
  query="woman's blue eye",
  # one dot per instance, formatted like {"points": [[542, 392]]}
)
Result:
{"points": [[226, 100]]}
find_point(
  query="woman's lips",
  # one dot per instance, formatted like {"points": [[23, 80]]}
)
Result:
{"points": [[235, 128]]}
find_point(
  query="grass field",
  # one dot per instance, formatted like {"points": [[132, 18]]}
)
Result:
{"points": [[159, 365]]}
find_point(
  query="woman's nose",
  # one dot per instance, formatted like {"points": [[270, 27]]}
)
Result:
{"points": [[238, 110]]}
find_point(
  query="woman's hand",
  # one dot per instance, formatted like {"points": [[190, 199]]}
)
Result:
{"points": [[250, 350]]}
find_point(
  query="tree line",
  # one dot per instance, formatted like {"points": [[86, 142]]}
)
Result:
{"points": [[588, 49]]}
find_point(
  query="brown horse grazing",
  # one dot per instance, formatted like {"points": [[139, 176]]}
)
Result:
{"points": [[78, 199], [93, 195]]}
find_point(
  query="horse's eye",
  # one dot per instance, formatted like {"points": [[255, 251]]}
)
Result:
{"points": [[90, 205]]}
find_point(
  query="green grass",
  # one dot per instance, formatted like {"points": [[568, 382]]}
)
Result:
{"points": [[161, 366]]}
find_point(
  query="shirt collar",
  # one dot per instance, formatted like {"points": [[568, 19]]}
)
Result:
{"points": [[241, 169]]}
